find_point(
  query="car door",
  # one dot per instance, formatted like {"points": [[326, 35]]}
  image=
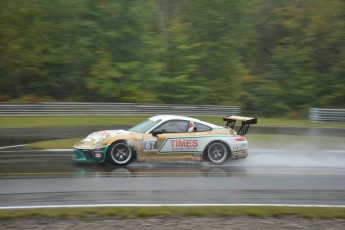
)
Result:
{"points": [[174, 140]]}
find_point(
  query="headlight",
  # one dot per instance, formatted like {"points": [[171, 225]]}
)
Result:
{"points": [[96, 137]]}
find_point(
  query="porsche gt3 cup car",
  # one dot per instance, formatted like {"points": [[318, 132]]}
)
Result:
{"points": [[167, 137]]}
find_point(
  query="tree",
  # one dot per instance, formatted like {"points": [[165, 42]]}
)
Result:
{"points": [[301, 44]]}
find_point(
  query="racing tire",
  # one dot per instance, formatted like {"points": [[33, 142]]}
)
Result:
{"points": [[120, 153], [217, 152]]}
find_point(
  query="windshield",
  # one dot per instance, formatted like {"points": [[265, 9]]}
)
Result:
{"points": [[143, 126]]}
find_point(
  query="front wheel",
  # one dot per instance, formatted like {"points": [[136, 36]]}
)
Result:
{"points": [[120, 153], [217, 152]]}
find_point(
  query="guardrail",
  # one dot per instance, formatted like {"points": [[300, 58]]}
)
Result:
{"points": [[326, 115], [73, 108]]}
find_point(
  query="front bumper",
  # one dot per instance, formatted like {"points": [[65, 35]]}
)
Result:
{"points": [[90, 155]]}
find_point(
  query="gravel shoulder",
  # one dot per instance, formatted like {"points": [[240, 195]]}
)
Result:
{"points": [[171, 223]]}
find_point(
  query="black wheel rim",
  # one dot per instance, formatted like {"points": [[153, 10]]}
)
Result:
{"points": [[217, 152], [121, 153]]}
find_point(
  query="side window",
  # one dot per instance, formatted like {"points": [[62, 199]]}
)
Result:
{"points": [[201, 127], [174, 127]]}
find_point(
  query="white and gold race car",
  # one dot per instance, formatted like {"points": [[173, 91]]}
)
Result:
{"points": [[167, 137]]}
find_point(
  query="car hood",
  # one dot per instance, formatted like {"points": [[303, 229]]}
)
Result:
{"points": [[102, 137]]}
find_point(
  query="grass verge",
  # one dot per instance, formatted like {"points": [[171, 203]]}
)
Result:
{"points": [[54, 121], [54, 144], [168, 211]]}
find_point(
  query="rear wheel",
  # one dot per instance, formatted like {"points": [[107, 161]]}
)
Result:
{"points": [[217, 152], [120, 153]]}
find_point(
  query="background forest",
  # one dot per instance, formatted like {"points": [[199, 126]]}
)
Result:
{"points": [[271, 57]]}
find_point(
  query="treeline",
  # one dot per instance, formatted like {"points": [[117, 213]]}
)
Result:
{"points": [[271, 57]]}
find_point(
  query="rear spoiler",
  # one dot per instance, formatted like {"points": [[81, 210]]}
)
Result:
{"points": [[246, 122]]}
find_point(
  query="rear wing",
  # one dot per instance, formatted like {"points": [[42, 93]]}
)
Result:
{"points": [[246, 122]]}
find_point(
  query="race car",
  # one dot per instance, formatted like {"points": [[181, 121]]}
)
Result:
{"points": [[167, 137]]}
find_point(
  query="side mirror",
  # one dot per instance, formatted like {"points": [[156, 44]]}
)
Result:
{"points": [[156, 132]]}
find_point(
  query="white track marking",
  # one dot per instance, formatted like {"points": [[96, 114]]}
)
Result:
{"points": [[169, 205], [31, 151], [11, 146]]}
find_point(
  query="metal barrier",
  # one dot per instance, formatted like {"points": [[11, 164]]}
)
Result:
{"points": [[326, 115], [74, 108]]}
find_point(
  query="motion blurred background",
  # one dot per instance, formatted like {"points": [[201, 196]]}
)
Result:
{"points": [[271, 57]]}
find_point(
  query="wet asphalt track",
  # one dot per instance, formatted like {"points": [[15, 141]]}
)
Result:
{"points": [[38, 178]]}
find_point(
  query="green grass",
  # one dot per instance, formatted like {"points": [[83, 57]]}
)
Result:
{"points": [[296, 123], [204, 211], [54, 121], [54, 144], [255, 141]]}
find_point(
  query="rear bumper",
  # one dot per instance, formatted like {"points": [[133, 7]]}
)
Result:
{"points": [[239, 154]]}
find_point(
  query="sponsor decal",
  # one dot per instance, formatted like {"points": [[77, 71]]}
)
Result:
{"points": [[114, 133], [150, 144], [139, 137], [239, 147], [141, 159], [184, 143], [197, 157], [98, 151], [189, 144], [180, 145]]}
